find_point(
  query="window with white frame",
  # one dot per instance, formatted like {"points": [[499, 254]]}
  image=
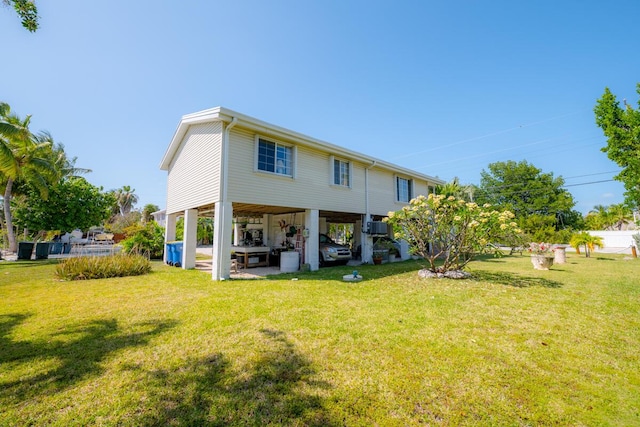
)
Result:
{"points": [[341, 173], [404, 189], [275, 157]]}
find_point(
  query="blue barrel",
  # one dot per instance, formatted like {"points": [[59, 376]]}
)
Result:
{"points": [[177, 248]]}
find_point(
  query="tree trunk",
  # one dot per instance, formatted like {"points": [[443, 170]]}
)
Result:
{"points": [[11, 236]]}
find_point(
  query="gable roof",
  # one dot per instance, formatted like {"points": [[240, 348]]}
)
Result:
{"points": [[267, 129]]}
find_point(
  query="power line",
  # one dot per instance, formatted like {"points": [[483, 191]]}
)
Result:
{"points": [[590, 174], [486, 136], [588, 183]]}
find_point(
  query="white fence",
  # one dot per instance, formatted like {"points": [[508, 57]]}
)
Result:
{"points": [[616, 241]]}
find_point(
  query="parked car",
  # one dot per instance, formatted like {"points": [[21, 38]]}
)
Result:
{"points": [[331, 253]]}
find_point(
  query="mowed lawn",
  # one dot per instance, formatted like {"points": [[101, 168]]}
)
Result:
{"points": [[512, 346]]}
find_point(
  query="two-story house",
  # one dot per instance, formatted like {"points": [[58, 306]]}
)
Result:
{"points": [[249, 174]]}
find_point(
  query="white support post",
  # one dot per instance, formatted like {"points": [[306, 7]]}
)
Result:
{"points": [[170, 231], [190, 238], [222, 225], [312, 244], [366, 241]]}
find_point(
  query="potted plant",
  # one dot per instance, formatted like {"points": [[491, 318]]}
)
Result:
{"points": [[541, 255], [377, 256]]}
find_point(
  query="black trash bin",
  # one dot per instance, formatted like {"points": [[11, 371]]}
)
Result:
{"points": [[25, 249], [42, 250]]}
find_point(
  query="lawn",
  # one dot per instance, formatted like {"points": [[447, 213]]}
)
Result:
{"points": [[512, 346]]}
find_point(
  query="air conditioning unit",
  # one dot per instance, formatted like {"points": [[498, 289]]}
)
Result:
{"points": [[377, 227]]}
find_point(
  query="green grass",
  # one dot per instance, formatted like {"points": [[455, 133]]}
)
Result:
{"points": [[512, 346]]}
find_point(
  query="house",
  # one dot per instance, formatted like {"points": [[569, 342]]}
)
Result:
{"points": [[160, 217], [268, 187]]}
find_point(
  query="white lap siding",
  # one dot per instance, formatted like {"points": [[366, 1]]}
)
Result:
{"points": [[193, 175]]}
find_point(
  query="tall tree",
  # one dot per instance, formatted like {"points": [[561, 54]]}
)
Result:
{"points": [[621, 126], [22, 158], [526, 191], [125, 199], [27, 11]]}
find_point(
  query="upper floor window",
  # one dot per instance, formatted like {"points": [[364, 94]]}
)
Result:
{"points": [[341, 173], [274, 157], [404, 189]]}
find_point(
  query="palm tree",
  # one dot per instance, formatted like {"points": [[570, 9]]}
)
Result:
{"points": [[587, 240], [620, 214], [125, 199], [455, 189], [599, 217], [22, 158], [64, 166]]}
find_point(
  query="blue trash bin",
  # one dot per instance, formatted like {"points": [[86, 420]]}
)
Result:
{"points": [[170, 253], [177, 248], [55, 248]]}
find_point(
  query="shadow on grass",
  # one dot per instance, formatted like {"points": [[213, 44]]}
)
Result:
{"points": [[71, 355], [278, 389], [15, 265], [517, 281]]}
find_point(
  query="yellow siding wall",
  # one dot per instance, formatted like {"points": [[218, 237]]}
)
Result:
{"points": [[193, 176], [310, 189]]}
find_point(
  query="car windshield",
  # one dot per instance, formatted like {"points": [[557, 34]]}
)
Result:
{"points": [[325, 239]]}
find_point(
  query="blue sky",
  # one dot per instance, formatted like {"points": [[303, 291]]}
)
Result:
{"points": [[445, 88]]}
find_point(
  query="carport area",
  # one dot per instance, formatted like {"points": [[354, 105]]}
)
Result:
{"points": [[251, 241]]}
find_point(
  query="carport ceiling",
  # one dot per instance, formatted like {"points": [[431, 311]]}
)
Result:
{"points": [[250, 210]]}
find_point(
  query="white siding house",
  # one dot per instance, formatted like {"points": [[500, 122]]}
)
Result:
{"points": [[231, 166]]}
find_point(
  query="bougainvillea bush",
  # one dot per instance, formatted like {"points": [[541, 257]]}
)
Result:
{"points": [[451, 230]]}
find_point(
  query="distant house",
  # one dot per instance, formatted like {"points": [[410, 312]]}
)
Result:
{"points": [[160, 217], [258, 180]]}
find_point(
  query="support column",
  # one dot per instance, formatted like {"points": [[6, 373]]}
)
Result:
{"points": [[222, 226], [170, 231], [312, 242], [266, 228], [366, 241], [237, 234], [190, 240]]}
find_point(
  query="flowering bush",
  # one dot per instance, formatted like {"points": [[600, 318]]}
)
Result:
{"points": [[541, 249], [451, 229]]}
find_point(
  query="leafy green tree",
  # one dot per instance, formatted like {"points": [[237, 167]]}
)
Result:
{"points": [[449, 232], [23, 158], [27, 11], [525, 190], [72, 203], [621, 126], [145, 239]]}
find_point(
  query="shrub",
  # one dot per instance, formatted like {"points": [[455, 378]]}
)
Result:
{"points": [[451, 229], [102, 267], [145, 240]]}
